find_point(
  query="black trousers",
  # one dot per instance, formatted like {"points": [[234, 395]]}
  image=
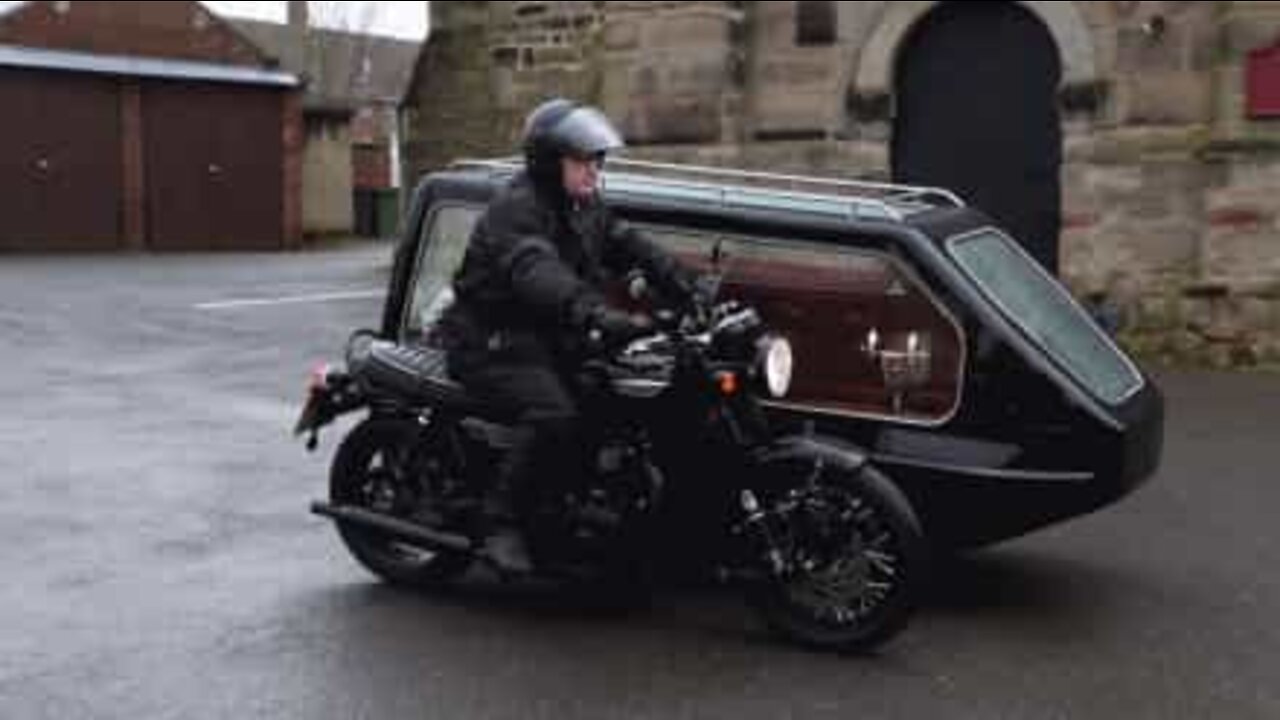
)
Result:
{"points": [[547, 452]]}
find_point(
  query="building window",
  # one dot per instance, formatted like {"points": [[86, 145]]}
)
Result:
{"points": [[815, 23], [366, 71]]}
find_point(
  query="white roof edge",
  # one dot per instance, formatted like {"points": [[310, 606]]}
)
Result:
{"points": [[13, 7], [42, 59]]}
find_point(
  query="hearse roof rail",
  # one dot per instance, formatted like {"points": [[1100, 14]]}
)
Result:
{"points": [[733, 188]]}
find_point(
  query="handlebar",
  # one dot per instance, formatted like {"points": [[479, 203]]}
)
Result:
{"points": [[677, 330]]}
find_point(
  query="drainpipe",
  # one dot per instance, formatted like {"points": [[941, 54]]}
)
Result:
{"points": [[299, 20]]}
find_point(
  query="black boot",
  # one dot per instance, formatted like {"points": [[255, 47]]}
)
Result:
{"points": [[506, 548], [505, 544]]}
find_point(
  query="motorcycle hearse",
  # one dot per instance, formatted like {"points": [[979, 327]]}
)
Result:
{"points": [[881, 374]]}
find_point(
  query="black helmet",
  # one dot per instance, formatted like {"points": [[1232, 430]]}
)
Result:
{"points": [[560, 127]]}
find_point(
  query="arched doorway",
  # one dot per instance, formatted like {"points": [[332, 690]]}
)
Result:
{"points": [[976, 111]]}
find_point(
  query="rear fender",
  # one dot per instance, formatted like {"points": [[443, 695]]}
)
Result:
{"points": [[327, 400]]}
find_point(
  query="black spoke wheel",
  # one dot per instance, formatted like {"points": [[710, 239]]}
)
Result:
{"points": [[848, 560], [382, 466]]}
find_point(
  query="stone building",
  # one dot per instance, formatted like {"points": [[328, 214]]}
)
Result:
{"points": [[1133, 147]]}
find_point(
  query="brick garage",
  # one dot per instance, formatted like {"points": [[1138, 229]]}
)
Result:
{"points": [[143, 126]]}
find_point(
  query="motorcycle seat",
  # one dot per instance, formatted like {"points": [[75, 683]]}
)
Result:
{"points": [[420, 376]]}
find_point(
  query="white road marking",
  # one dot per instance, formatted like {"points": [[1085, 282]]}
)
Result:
{"points": [[290, 300]]}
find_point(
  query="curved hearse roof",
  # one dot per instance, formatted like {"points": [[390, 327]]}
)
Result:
{"points": [[827, 202]]}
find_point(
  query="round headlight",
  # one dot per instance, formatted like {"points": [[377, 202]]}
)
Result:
{"points": [[777, 365]]}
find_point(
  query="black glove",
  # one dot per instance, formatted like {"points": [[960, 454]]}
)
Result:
{"points": [[613, 328]]}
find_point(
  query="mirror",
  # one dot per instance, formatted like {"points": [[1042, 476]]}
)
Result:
{"points": [[717, 255]]}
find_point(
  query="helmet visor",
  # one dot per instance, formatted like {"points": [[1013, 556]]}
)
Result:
{"points": [[587, 133]]}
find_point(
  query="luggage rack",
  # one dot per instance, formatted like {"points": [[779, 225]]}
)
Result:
{"points": [[854, 199]]}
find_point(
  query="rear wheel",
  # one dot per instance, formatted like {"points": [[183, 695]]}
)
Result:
{"points": [[383, 466], [847, 562]]}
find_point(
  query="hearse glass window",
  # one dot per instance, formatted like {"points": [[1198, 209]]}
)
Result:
{"points": [[1044, 310], [869, 340], [441, 249]]}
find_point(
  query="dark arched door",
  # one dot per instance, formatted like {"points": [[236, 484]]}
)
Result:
{"points": [[977, 112]]}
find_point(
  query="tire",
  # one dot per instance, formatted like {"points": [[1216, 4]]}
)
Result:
{"points": [[373, 469], [871, 583]]}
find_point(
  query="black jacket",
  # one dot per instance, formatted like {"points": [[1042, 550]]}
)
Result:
{"points": [[533, 274]]}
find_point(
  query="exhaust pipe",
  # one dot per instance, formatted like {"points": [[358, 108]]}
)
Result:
{"points": [[409, 532]]}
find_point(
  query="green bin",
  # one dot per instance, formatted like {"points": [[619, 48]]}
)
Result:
{"points": [[387, 221]]}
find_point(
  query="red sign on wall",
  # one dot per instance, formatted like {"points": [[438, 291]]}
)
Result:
{"points": [[1262, 82]]}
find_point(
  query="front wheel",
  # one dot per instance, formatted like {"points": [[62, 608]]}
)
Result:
{"points": [[846, 559], [383, 465]]}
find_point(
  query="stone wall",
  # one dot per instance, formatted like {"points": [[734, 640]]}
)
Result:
{"points": [[674, 70], [450, 111]]}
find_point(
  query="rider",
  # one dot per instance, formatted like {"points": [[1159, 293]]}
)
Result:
{"points": [[529, 299]]}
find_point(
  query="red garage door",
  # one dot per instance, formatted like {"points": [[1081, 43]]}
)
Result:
{"points": [[60, 161], [214, 167]]}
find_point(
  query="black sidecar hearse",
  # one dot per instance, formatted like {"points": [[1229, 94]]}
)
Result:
{"points": [[923, 334]]}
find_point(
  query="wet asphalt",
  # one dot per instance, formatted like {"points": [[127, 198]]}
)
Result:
{"points": [[158, 560]]}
